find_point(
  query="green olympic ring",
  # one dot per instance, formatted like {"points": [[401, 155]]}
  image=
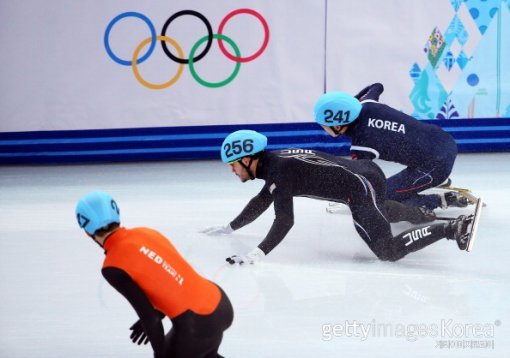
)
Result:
{"points": [[192, 65]]}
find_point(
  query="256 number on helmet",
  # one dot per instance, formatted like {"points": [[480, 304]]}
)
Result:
{"points": [[238, 147]]}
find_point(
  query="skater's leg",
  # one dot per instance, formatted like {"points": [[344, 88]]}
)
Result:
{"points": [[397, 212], [195, 335], [372, 225], [406, 185], [376, 232]]}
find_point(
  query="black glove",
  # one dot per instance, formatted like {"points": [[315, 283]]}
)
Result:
{"points": [[138, 335]]}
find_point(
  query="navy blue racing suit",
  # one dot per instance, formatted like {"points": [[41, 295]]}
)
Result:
{"points": [[427, 151]]}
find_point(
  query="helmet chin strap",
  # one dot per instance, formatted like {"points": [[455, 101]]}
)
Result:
{"points": [[247, 167], [94, 239]]}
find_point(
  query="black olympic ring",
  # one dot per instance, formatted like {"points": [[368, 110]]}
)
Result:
{"points": [[209, 36]]}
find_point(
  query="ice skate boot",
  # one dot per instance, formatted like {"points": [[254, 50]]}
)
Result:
{"points": [[453, 199], [460, 230]]}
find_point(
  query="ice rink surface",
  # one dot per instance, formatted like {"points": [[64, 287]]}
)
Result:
{"points": [[320, 293]]}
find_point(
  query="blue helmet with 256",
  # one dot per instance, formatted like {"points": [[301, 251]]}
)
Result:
{"points": [[242, 143], [96, 210], [336, 109]]}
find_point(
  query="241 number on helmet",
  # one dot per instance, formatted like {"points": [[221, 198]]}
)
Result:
{"points": [[340, 117]]}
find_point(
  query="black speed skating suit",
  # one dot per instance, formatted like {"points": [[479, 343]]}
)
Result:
{"points": [[360, 184]]}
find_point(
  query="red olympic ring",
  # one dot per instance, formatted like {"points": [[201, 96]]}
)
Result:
{"points": [[264, 44]]}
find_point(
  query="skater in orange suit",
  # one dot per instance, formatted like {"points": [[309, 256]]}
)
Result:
{"points": [[157, 281]]}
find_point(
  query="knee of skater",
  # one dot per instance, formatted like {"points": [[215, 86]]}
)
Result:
{"points": [[385, 257], [393, 258], [381, 252], [389, 258], [384, 253]]}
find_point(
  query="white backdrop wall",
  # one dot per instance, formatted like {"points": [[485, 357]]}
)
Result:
{"points": [[57, 74]]}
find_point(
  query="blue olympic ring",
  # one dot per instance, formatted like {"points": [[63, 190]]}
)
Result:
{"points": [[120, 17]]}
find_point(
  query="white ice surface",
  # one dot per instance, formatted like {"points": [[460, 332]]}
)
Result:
{"points": [[55, 303]]}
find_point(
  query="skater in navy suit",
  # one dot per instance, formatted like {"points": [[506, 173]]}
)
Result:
{"points": [[380, 131]]}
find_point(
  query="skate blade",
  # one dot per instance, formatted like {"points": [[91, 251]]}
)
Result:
{"points": [[464, 192], [474, 227], [469, 196]]}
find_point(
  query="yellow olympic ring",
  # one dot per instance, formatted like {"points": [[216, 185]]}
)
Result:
{"points": [[134, 65]]}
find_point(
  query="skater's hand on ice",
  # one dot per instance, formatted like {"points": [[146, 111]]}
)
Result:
{"points": [[138, 335], [250, 258], [217, 230]]}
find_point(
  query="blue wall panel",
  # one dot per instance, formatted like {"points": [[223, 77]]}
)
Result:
{"points": [[183, 143]]}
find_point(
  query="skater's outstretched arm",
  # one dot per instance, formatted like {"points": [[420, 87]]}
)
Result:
{"points": [[255, 207]]}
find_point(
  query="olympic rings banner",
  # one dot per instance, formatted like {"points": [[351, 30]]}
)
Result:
{"points": [[124, 64], [103, 64], [145, 64], [192, 59]]}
